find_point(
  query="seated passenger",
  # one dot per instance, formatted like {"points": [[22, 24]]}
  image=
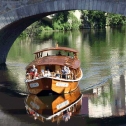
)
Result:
{"points": [[47, 73], [33, 73], [59, 53], [42, 72], [57, 74], [27, 76], [68, 70], [65, 71]]}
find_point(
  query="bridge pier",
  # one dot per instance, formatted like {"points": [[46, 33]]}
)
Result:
{"points": [[2, 58], [3, 66]]}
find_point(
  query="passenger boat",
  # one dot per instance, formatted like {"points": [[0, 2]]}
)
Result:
{"points": [[54, 107], [57, 69]]}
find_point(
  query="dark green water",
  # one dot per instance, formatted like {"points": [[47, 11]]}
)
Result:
{"points": [[103, 60]]}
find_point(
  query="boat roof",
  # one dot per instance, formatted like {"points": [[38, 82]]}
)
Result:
{"points": [[54, 60], [58, 48]]}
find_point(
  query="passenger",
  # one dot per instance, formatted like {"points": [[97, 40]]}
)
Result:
{"points": [[33, 72], [65, 71], [47, 73], [27, 76], [75, 56], [57, 74], [68, 70], [59, 53], [42, 72]]}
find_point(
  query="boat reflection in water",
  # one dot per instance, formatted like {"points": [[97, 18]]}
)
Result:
{"points": [[54, 107]]}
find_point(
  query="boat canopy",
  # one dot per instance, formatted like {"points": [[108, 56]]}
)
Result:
{"points": [[58, 48], [54, 60]]}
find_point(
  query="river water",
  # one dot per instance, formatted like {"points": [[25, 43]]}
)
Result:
{"points": [[103, 60]]}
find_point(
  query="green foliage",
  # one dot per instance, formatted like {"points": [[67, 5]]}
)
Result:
{"points": [[48, 28], [68, 21], [116, 19], [75, 22], [67, 26], [24, 34], [61, 17], [84, 12], [97, 19], [43, 27], [58, 26], [61, 21]]}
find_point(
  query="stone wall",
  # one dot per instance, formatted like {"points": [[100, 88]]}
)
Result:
{"points": [[14, 10]]}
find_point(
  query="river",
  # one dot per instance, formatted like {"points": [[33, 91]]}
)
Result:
{"points": [[103, 60]]}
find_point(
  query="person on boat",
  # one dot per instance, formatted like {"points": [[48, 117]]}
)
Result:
{"points": [[33, 72], [57, 74], [65, 71], [75, 56], [27, 76], [47, 73], [59, 53], [42, 72]]}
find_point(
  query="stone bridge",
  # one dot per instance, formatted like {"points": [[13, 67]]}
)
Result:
{"points": [[16, 15]]}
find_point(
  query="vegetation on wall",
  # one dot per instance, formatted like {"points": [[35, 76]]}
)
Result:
{"points": [[96, 19], [68, 21], [65, 21], [115, 20]]}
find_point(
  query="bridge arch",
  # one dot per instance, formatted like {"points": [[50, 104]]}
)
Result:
{"points": [[15, 18]]}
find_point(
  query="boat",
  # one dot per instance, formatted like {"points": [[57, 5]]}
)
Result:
{"points": [[54, 108], [58, 70]]}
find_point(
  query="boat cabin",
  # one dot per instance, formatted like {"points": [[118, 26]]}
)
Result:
{"points": [[54, 59]]}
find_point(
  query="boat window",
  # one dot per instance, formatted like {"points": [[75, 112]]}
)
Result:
{"points": [[59, 53], [55, 52]]}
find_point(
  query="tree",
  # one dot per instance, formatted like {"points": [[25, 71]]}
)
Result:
{"points": [[97, 19], [116, 19]]}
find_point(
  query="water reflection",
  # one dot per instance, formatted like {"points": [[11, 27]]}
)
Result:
{"points": [[107, 100], [12, 77], [54, 107]]}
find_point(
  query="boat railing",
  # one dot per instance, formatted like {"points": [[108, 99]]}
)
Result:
{"points": [[60, 75], [40, 55]]}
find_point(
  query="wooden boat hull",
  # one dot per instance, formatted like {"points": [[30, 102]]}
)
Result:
{"points": [[58, 86]]}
